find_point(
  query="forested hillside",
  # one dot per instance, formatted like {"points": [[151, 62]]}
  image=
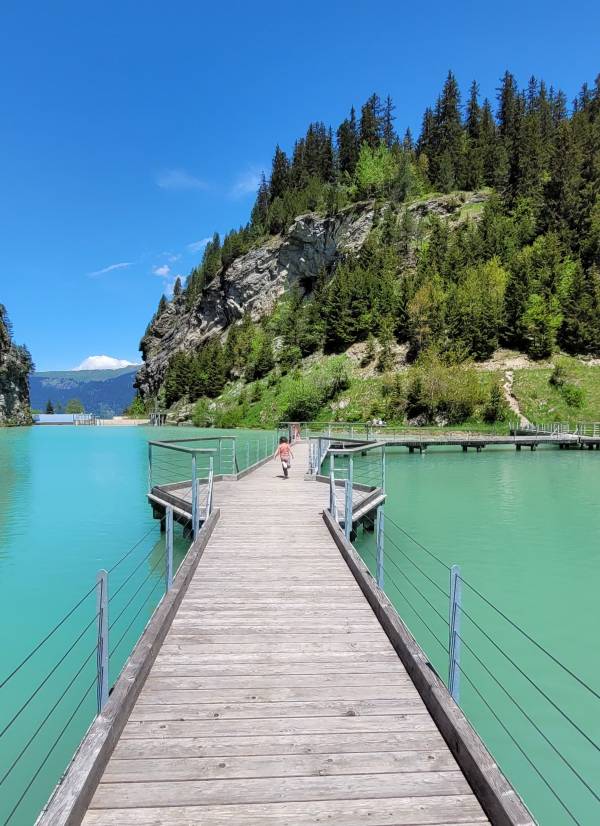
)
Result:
{"points": [[15, 366], [482, 232]]}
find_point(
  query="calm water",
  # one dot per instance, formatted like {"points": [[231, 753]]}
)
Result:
{"points": [[525, 528], [72, 501]]}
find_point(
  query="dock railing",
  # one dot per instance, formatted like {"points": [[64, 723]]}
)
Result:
{"points": [[537, 715], [50, 697]]}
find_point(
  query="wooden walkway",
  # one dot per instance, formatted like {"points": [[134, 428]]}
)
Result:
{"points": [[277, 698]]}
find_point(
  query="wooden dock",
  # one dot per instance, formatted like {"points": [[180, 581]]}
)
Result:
{"points": [[276, 697]]}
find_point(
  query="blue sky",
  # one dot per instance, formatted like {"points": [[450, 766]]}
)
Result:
{"points": [[131, 131]]}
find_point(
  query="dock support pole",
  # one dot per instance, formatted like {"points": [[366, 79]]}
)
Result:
{"points": [[169, 548], [194, 497], [102, 644], [454, 642], [380, 524]]}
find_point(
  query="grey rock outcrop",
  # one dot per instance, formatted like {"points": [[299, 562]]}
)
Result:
{"points": [[252, 284]]}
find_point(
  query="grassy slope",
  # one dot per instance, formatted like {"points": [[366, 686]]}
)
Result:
{"points": [[263, 403], [540, 401]]}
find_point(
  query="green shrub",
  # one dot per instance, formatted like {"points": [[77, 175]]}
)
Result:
{"points": [[573, 395], [496, 409]]}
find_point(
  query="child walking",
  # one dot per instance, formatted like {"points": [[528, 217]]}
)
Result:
{"points": [[284, 452]]}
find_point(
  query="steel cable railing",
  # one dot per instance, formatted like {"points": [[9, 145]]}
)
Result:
{"points": [[412, 581], [32, 731]]}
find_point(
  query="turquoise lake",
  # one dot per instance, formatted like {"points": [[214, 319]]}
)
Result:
{"points": [[524, 527]]}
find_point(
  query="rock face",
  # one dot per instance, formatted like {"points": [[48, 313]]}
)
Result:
{"points": [[252, 284], [15, 366]]}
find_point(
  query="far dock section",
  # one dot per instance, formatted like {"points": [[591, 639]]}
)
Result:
{"points": [[418, 440]]}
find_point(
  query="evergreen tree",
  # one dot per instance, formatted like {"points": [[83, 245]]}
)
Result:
{"points": [[49, 407], [370, 122], [279, 174], [388, 132], [260, 210], [348, 144], [177, 288]]}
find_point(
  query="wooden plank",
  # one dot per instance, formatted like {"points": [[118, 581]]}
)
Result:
{"points": [[278, 725], [341, 644], [279, 744], [204, 669], [343, 693], [456, 810], [325, 764], [258, 682], [298, 641], [287, 710], [263, 790]]}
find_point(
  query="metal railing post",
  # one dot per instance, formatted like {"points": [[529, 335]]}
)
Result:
{"points": [[194, 497], [333, 499], [211, 481], [102, 644], [454, 642], [380, 548], [383, 468], [233, 457], [348, 509], [169, 548], [149, 467]]}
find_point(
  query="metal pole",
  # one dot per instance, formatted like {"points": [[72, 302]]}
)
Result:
{"points": [[149, 467], [194, 497], [211, 481], [380, 546], [333, 502], [169, 549], [454, 642], [348, 509], [233, 457], [102, 645], [383, 468]]}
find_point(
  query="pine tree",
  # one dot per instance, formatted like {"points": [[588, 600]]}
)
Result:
{"points": [[348, 144], [260, 210], [177, 287], [370, 122], [49, 407], [279, 174], [388, 132]]}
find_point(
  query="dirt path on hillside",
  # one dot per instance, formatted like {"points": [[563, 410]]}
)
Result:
{"points": [[511, 399]]}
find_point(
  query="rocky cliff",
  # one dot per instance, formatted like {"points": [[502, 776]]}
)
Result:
{"points": [[252, 284], [15, 366], [255, 281]]}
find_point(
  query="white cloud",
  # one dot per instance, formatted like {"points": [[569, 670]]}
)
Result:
{"points": [[246, 183], [121, 266], [179, 179], [196, 246], [162, 271], [104, 363]]}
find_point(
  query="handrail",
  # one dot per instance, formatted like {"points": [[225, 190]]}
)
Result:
{"points": [[428, 596]]}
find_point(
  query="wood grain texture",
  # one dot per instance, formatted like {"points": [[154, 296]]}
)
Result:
{"points": [[276, 697]]}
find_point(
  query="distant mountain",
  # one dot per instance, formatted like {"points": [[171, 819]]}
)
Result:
{"points": [[103, 392]]}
